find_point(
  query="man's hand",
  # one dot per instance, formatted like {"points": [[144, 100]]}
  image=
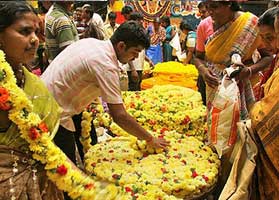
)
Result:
{"points": [[158, 143]]}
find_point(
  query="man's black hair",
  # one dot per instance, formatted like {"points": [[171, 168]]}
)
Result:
{"points": [[132, 34]]}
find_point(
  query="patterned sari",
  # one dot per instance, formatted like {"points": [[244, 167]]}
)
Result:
{"points": [[238, 36], [20, 175], [265, 115], [167, 48]]}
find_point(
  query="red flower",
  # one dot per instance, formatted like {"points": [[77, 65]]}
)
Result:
{"points": [[89, 186], [132, 105], [5, 106], [152, 122], [116, 176], [4, 95], [34, 133], [163, 130], [186, 120], [165, 179], [184, 162], [205, 178], [194, 174], [163, 108], [43, 127], [178, 190], [144, 154], [128, 189], [62, 170], [164, 170], [178, 156]]}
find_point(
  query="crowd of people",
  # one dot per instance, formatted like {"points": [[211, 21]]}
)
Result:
{"points": [[82, 58]]}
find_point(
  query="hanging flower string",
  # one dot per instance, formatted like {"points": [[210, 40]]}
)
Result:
{"points": [[59, 169], [85, 138]]}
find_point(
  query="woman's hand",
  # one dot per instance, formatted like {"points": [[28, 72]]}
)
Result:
{"points": [[245, 73], [210, 78]]}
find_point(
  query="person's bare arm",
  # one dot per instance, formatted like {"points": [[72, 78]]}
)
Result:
{"points": [[130, 125], [134, 72], [190, 53], [208, 76], [264, 62]]}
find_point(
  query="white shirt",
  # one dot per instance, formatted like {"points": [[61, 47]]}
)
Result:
{"points": [[82, 72]]}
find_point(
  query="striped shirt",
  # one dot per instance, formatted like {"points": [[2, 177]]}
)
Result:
{"points": [[82, 72], [60, 31]]}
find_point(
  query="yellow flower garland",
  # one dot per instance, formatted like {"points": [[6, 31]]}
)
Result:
{"points": [[59, 169], [85, 130]]}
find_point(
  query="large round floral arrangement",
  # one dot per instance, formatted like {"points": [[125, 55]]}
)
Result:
{"points": [[161, 108], [186, 169]]}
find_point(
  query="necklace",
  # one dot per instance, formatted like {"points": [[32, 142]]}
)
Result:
{"points": [[20, 78]]}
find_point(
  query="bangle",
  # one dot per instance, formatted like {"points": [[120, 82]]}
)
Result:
{"points": [[250, 72], [201, 65]]}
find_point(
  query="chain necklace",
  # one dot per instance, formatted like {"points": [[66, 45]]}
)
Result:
{"points": [[20, 78]]}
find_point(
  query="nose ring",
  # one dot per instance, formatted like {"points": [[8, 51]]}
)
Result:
{"points": [[33, 40]]}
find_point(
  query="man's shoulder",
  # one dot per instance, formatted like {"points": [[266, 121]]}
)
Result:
{"points": [[56, 13], [57, 16]]}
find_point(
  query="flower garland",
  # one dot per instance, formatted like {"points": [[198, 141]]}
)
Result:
{"points": [[59, 169], [85, 138]]}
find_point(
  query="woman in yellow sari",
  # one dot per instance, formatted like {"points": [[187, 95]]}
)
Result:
{"points": [[21, 176], [265, 115], [234, 32]]}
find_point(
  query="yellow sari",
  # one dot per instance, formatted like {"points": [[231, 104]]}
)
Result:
{"points": [[265, 115], [238, 36], [29, 182]]}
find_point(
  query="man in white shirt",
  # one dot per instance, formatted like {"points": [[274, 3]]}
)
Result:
{"points": [[88, 69]]}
